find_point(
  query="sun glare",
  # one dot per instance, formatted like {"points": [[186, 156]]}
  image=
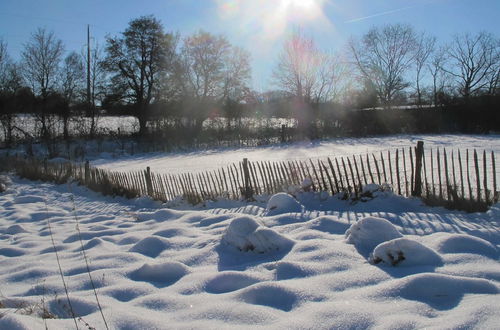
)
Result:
{"points": [[265, 21], [301, 4]]}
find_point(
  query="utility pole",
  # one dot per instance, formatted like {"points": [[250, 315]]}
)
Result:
{"points": [[89, 101]]}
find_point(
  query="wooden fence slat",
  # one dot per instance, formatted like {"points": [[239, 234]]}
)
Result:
{"points": [[455, 186], [334, 176], [378, 169], [234, 184], [485, 178], [255, 179], [311, 177], [343, 187], [349, 187], [405, 171], [397, 172], [426, 182], [449, 191], [264, 178], [469, 183], [412, 172], [329, 178], [493, 167], [369, 169], [325, 188], [460, 169], [360, 184], [389, 160], [363, 169], [383, 166], [439, 174], [355, 186], [478, 178], [225, 181]]}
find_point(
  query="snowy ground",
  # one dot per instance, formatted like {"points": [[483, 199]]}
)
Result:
{"points": [[201, 160], [228, 265]]}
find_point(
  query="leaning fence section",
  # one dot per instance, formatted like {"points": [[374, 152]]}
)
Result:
{"points": [[464, 179]]}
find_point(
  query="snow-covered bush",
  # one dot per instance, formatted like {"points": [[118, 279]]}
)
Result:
{"points": [[282, 203], [372, 190], [247, 234], [369, 232], [4, 182], [306, 184], [406, 252]]}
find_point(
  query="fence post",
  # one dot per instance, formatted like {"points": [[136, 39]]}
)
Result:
{"points": [[87, 173], [419, 152], [149, 183], [283, 137], [248, 190]]}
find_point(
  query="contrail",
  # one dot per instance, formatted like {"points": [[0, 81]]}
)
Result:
{"points": [[379, 14]]}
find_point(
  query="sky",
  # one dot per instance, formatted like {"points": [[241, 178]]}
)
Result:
{"points": [[260, 26]]}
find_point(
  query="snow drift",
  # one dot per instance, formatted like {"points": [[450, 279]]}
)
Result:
{"points": [[247, 234], [369, 232]]}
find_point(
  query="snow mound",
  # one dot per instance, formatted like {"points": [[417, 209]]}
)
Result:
{"points": [[14, 229], [282, 203], [405, 252], [459, 243], [26, 199], [246, 234], [369, 232], [271, 295], [438, 289], [329, 224], [167, 272], [150, 246], [229, 281]]}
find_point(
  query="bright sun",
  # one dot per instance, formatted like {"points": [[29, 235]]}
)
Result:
{"points": [[268, 20], [300, 4]]}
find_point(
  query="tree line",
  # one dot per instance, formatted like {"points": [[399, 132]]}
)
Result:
{"points": [[169, 82]]}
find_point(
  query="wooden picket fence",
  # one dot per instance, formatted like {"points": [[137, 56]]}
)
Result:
{"points": [[456, 179]]}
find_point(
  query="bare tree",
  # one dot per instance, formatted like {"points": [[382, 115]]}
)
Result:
{"points": [[237, 73], [72, 78], [494, 81], [40, 63], [310, 76], [383, 57], [332, 78], [137, 59], [425, 46], [212, 71], [435, 65], [298, 67], [476, 59], [4, 61], [98, 88]]}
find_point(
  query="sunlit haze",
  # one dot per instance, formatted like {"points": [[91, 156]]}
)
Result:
{"points": [[260, 26]]}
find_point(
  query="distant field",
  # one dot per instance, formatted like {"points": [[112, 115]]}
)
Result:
{"points": [[200, 160]]}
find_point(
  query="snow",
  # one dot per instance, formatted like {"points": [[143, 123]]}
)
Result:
{"points": [[369, 232], [213, 159], [282, 203], [247, 234], [405, 252], [231, 264]]}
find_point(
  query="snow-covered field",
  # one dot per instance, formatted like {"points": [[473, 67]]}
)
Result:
{"points": [[310, 263], [77, 125], [201, 160]]}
